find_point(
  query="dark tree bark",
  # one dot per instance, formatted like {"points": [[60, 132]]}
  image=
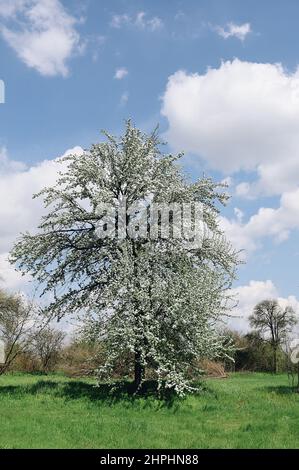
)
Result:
{"points": [[138, 371], [275, 365]]}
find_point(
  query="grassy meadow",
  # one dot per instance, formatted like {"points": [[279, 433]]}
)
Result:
{"points": [[242, 411]]}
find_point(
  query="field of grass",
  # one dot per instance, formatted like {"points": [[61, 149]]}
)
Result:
{"points": [[243, 411]]}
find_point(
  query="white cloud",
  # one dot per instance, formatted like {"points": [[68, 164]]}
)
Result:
{"points": [[152, 24], [121, 73], [234, 30], [228, 180], [11, 279], [7, 165], [124, 98], [241, 116], [247, 297], [155, 23], [42, 33], [180, 15], [11, 7], [267, 222], [140, 21], [239, 235], [251, 294], [239, 214], [120, 20], [243, 189], [18, 211]]}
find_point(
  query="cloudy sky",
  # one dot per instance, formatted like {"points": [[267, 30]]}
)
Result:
{"points": [[221, 78]]}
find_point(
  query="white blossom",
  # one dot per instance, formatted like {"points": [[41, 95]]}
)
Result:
{"points": [[157, 299]]}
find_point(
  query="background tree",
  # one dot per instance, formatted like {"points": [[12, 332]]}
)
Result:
{"points": [[157, 300], [47, 345], [274, 323], [253, 353], [20, 321]]}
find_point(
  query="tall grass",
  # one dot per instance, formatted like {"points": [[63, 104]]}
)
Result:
{"points": [[242, 411]]}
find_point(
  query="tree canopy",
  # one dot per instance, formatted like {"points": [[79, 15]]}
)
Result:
{"points": [[158, 298], [273, 322]]}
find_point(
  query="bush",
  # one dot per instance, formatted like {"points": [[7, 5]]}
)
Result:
{"points": [[254, 354], [25, 362], [213, 368], [80, 358]]}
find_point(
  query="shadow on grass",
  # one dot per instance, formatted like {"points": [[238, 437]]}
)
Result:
{"points": [[103, 393], [281, 389]]}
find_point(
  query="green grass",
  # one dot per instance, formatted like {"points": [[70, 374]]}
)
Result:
{"points": [[243, 411]]}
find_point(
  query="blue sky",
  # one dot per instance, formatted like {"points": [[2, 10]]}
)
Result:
{"points": [[206, 70]]}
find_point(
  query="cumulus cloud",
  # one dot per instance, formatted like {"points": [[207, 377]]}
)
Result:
{"points": [[240, 116], [10, 279], [42, 33], [10, 8], [18, 211], [121, 73], [234, 30], [152, 24], [7, 165], [275, 223], [140, 21], [249, 295]]}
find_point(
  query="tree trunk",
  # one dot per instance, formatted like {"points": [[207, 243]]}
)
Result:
{"points": [[275, 370], [138, 372]]}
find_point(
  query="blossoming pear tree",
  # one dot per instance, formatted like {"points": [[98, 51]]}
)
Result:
{"points": [[157, 299]]}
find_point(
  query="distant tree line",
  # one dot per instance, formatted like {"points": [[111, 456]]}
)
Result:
{"points": [[32, 345]]}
